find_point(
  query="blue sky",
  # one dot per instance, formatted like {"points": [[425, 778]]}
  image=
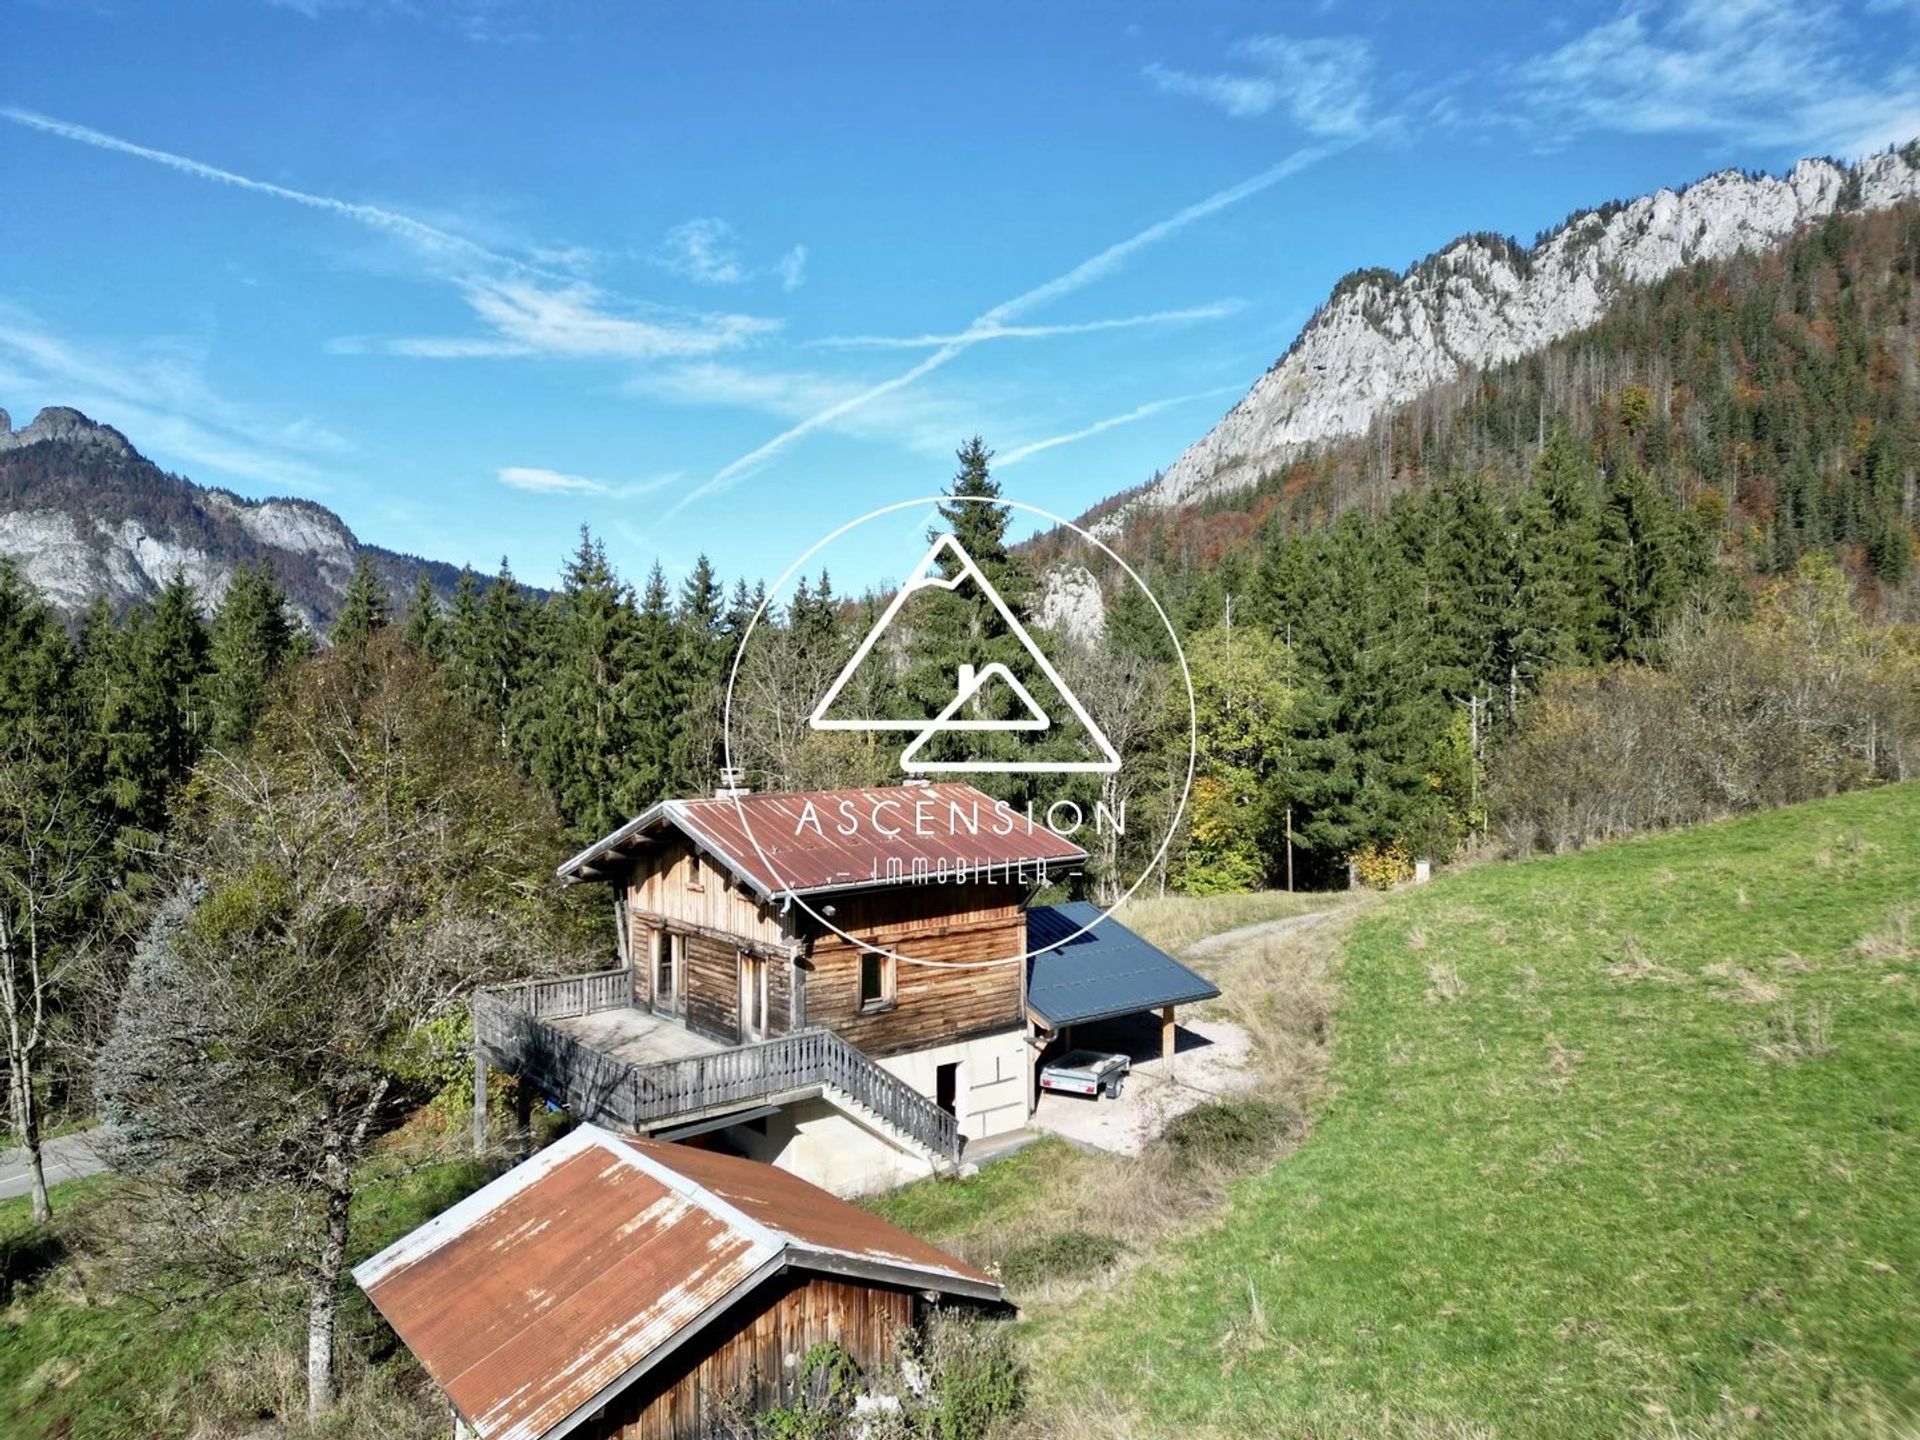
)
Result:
{"points": [[718, 277]]}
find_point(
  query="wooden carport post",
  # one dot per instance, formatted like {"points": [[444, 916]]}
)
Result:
{"points": [[1166, 1036], [479, 1104]]}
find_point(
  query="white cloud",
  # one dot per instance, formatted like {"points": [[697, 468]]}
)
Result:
{"points": [[159, 396], [549, 482], [539, 480], [1216, 311], [922, 421], [1139, 412], [1323, 84], [573, 320], [429, 239], [532, 309], [1767, 72], [792, 268], [704, 251]]}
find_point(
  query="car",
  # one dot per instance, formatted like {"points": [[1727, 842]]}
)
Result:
{"points": [[1086, 1072]]}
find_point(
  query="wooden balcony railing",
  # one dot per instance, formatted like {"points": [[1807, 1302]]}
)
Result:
{"points": [[568, 995], [510, 1028]]}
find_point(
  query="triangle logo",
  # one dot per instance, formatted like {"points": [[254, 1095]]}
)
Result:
{"points": [[926, 576]]}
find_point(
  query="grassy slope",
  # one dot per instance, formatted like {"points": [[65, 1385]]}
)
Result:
{"points": [[1173, 922], [1575, 1197], [80, 1357]]}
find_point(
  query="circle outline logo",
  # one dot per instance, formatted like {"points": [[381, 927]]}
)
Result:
{"points": [[1186, 675]]}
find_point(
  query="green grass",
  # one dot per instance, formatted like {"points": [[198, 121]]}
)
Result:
{"points": [[1174, 922], [81, 1357], [1574, 1179]]}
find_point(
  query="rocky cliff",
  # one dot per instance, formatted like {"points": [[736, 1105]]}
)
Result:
{"points": [[83, 513], [1381, 339]]}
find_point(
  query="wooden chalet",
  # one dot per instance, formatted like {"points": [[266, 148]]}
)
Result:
{"points": [[860, 1038], [621, 1289]]}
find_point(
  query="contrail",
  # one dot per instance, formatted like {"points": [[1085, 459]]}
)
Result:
{"points": [[1218, 310], [1139, 412], [1085, 273], [428, 237]]}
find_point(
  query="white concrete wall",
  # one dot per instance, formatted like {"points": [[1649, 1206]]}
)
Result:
{"points": [[991, 1096], [820, 1143]]}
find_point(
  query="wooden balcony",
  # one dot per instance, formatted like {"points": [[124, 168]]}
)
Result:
{"points": [[646, 1074]]}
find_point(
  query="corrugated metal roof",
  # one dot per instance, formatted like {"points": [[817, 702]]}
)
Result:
{"points": [[1106, 972], [541, 1295], [806, 1215], [815, 840]]}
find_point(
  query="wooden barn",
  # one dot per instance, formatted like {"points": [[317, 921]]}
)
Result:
{"points": [[838, 982], [621, 1289]]}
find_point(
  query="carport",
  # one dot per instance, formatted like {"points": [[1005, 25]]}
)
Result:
{"points": [[1104, 974]]}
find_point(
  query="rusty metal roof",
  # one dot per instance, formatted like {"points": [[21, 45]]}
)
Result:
{"points": [[807, 841], [542, 1295], [813, 1221]]}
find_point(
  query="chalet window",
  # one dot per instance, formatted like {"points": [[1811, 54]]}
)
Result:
{"points": [[696, 880], [876, 980]]}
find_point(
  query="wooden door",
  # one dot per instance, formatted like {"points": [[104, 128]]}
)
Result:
{"points": [[753, 997], [669, 973]]}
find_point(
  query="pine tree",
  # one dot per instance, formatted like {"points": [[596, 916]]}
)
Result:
{"points": [[656, 698], [426, 628], [172, 665], [576, 722], [702, 649], [1564, 482], [1367, 717], [51, 849], [1640, 569], [253, 637], [489, 644], [365, 608], [1467, 586]]}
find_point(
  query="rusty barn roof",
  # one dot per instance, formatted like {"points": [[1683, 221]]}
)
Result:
{"points": [[542, 1295], [807, 841]]}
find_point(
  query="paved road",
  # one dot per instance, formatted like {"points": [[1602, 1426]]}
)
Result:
{"points": [[1264, 929], [66, 1157]]}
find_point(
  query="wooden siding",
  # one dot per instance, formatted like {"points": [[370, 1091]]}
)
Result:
{"points": [[712, 982], [750, 1359], [959, 925], [662, 884]]}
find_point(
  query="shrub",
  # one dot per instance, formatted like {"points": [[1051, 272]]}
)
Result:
{"points": [[1381, 867], [1066, 1255], [971, 1377], [1227, 1132]]}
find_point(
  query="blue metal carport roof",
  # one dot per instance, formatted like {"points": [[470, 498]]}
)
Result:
{"points": [[1106, 972]]}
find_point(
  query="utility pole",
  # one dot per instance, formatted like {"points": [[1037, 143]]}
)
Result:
{"points": [[1472, 702], [1291, 697]]}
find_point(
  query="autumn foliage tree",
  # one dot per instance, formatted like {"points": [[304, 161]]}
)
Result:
{"points": [[346, 880]]}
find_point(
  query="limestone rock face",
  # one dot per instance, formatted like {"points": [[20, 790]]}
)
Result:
{"points": [[85, 514], [1382, 339]]}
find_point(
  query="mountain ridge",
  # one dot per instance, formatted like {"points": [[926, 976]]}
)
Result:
{"points": [[83, 513], [1381, 338]]}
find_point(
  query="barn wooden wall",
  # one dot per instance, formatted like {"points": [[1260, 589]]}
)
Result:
{"points": [[744, 1359]]}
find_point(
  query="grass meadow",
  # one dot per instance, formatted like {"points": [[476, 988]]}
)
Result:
{"points": [[1618, 1143]]}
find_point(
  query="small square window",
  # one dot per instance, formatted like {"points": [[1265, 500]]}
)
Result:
{"points": [[876, 980]]}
